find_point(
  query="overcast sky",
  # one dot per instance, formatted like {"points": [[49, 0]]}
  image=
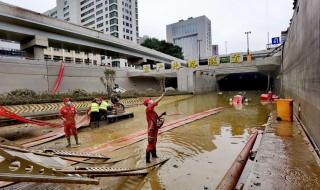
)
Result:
{"points": [[229, 18]]}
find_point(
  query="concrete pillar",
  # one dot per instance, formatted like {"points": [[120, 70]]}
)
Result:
{"points": [[186, 80], [38, 52], [36, 46]]}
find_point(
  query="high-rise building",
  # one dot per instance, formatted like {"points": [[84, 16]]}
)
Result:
{"points": [[190, 34], [116, 17]]}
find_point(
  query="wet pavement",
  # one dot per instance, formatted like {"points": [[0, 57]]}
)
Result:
{"points": [[285, 160], [200, 153]]}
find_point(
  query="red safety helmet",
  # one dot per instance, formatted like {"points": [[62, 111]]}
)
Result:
{"points": [[65, 100], [146, 101]]}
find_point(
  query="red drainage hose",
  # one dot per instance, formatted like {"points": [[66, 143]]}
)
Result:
{"points": [[61, 71], [232, 176]]}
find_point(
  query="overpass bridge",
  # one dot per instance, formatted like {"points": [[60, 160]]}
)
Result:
{"points": [[204, 77], [36, 32]]}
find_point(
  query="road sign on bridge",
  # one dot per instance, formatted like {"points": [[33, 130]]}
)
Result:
{"points": [[275, 40]]}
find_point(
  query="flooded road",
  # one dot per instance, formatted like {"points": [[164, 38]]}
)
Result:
{"points": [[200, 153]]}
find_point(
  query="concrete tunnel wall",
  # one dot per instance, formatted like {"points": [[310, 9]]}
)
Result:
{"points": [[32, 74], [301, 64], [190, 80]]}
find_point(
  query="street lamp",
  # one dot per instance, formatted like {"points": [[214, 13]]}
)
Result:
{"points": [[247, 33]]}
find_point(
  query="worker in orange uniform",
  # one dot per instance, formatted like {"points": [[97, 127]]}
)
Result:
{"points": [[153, 126], [68, 113]]}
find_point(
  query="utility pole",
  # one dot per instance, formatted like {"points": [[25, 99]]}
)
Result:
{"points": [[226, 47], [199, 41], [248, 50]]}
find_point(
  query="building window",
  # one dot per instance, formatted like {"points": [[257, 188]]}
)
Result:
{"points": [[66, 8], [87, 18], [98, 6], [87, 6], [114, 14], [113, 7], [115, 34], [99, 12], [99, 19], [83, 2], [67, 19], [88, 12], [65, 2], [114, 21], [113, 28], [107, 22], [116, 64], [107, 29], [112, 1], [89, 24], [100, 25], [124, 36], [66, 14]]}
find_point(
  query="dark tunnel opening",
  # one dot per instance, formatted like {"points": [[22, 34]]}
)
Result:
{"points": [[244, 81]]}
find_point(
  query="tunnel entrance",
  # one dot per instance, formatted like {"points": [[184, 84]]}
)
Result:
{"points": [[172, 82], [244, 81]]}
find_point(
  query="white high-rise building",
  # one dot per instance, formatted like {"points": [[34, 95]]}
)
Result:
{"points": [[118, 18], [190, 34]]}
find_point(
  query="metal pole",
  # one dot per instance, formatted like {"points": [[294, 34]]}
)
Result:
{"points": [[226, 45], [248, 50]]}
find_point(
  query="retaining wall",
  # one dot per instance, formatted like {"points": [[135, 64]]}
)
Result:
{"points": [[41, 76], [301, 64]]}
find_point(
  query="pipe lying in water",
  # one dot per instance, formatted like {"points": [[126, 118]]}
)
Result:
{"points": [[232, 176]]}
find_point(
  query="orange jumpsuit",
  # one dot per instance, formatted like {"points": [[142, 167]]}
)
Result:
{"points": [[152, 130], [69, 113]]}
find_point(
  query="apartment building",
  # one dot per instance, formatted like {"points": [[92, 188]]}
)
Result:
{"points": [[118, 18]]}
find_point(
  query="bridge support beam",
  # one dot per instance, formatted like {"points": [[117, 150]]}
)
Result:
{"points": [[137, 61], [197, 82], [35, 47]]}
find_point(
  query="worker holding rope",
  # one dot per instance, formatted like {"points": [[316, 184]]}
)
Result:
{"points": [[154, 123], [68, 113]]}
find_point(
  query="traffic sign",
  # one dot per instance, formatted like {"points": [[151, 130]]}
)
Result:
{"points": [[275, 40]]}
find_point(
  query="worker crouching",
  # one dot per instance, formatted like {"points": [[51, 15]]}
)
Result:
{"points": [[68, 113], [153, 126], [104, 108]]}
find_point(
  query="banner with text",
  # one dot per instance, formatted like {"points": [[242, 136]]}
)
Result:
{"points": [[192, 63], [213, 61], [146, 68], [175, 65]]}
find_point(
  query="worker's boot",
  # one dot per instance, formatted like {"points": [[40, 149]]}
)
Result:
{"points": [[154, 153], [77, 140], [147, 156], [69, 142]]}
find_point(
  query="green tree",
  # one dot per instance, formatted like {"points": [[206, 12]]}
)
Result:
{"points": [[164, 47], [108, 80]]}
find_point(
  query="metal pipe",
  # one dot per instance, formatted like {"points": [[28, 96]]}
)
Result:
{"points": [[232, 176]]}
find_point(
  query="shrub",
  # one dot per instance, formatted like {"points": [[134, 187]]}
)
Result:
{"points": [[22, 93]]}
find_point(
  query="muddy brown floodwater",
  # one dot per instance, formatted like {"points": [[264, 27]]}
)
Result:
{"points": [[200, 153]]}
